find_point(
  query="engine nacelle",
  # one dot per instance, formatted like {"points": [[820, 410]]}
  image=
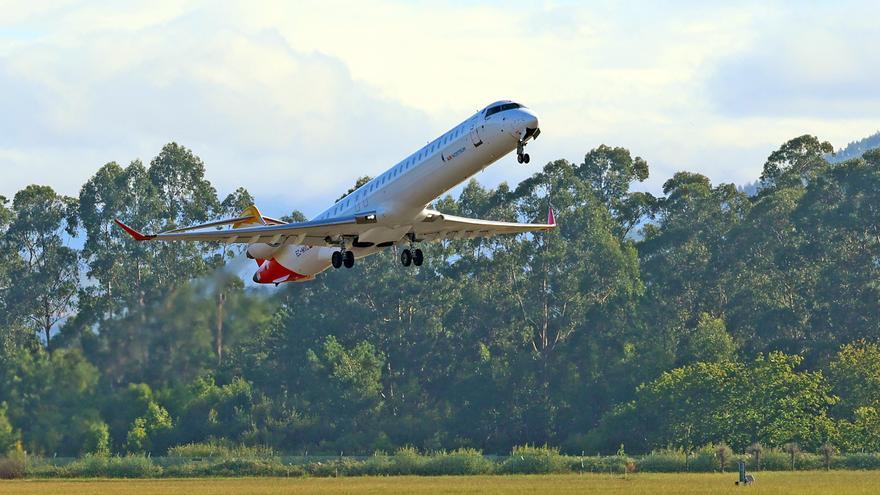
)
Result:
{"points": [[262, 251], [295, 263]]}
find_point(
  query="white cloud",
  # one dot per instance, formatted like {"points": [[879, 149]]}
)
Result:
{"points": [[294, 101]]}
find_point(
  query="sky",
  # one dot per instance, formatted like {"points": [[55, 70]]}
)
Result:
{"points": [[295, 100]]}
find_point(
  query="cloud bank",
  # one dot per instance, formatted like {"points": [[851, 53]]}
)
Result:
{"points": [[294, 101]]}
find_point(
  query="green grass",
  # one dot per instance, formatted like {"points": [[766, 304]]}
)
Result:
{"points": [[809, 482]]}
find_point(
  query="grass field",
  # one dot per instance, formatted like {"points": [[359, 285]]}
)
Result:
{"points": [[834, 482]]}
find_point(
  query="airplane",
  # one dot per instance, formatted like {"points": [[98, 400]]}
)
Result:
{"points": [[389, 210]]}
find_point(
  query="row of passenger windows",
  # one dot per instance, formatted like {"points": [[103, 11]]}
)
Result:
{"points": [[404, 165]]}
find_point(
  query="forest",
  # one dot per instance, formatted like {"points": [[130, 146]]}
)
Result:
{"points": [[703, 315]]}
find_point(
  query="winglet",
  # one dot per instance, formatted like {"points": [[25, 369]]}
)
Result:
{"points": [[133, 233], [551, 218]]}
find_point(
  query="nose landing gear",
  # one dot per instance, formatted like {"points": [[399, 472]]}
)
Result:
{"points": [[521, 155]]}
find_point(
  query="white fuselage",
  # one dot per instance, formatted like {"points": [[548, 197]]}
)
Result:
{"points": [[399, 196]]}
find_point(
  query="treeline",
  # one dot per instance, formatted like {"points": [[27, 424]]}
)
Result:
{"points": [[702, 316]]}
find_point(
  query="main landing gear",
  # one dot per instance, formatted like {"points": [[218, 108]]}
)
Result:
{"points": [[414, 257], [521, 155], [340, 258]]}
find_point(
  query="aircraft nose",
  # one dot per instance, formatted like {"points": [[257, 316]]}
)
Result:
{"points": [[530, 119], [528, 124]]}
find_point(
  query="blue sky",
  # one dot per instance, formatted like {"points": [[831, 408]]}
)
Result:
{"points": [[295, 100]]}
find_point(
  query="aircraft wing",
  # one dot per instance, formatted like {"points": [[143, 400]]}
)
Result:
{"points": [[438, 226], [314, 232]]}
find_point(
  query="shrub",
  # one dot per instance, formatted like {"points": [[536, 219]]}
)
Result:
{"points": [[599, 464], [827, 451], [247, 467], [13, 466], [188, 469], [808, 461], [340, 467], [222, 449], [704, 460], [97, 439], [724, 454], [775, 460], [756, 451], [93, 466], [793, 450], [664, 461], [534, 460], [407, 460], [860, 461], [376, 465], [458, 462]]}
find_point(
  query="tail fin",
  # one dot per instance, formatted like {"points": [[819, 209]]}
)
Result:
{"points": [[254, 218]]}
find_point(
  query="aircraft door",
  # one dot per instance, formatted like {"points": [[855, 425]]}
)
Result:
{"points": [[475, 134]]}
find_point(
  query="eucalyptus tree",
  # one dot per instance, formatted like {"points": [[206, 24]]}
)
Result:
{"points": [[44, 274], [683, 259]]}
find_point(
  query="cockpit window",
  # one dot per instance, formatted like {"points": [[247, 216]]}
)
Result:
{"points": [[500, 108]]}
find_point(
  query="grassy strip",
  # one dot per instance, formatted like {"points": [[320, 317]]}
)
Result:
{"points": [[523, 460], [776, 483]]}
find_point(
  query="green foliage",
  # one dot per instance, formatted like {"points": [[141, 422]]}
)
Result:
{"points": [[534, 460], [8, 437], [705, 403], [222, 449], [155, 424], [855, 374], [666, 461], [43, 269], [860, 461], [97, 439], [458, 462], [248, 467], [724, 318], [92, 466]]}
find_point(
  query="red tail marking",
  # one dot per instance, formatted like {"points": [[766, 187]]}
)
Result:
{"points": [[133, 233], [551, 218]]}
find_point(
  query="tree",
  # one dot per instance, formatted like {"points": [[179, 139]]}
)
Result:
{"points": [[8, 436], [45, 274], [855, 375], [796, 162], [709, 341], [51, 400], [358, 183], [147, 431], [610, 172], [179, 178]]}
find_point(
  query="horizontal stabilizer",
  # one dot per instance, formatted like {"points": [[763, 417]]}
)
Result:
{"points": [[133, 233]]}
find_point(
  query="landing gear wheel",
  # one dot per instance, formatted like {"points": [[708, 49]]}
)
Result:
{"points": [[406, 257], [418, 257], [336, 259], [519, 158], [525, 158], [348, 259]]}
